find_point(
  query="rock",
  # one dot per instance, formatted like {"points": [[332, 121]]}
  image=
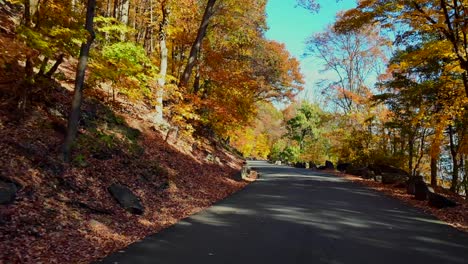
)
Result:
{"points": [[393, 178], [312, 165], [301, 165], [410, 184], [329, 165], [7, 192], [390, 174], [361, 172], [217, 160], [322, 168], [242, 174], [439, 201], [343, 166], [381, 168], [420, 190], [126, 198], [278, 162]]}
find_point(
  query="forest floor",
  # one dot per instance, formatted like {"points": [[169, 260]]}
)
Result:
{"points": [[63, 212], [455, 216]]}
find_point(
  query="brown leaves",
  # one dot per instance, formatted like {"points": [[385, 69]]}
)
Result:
{"points": [[67, 215]]}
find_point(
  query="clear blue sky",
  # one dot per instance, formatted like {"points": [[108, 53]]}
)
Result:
{"points": [[292, 25]]}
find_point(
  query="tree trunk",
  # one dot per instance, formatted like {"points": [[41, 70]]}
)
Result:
{"points": [[75, 111], [196, 83], [410, 152], [434, 171], [163, 66], [196, 46], [124, 16], [55, 66], [421, 154], [455, 167]]}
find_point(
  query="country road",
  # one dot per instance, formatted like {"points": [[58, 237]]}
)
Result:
{"points": [[301, 216]]}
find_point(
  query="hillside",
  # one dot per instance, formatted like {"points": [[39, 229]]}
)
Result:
{"points": [[64, 213]]}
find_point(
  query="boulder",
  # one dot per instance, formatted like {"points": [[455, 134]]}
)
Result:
{"points": [[361, 172], [343, 166], [7, 192], [410, 184], [278, 162], [420, 190], [242, 174], [381, 168], [322, 167], [312, 165], [301, 165], [329, 165], [126, 198], [393, 178], [390, 174], [439, 201]]}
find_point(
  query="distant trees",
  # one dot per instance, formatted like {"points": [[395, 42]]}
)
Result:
{"points": [[407, 110]]}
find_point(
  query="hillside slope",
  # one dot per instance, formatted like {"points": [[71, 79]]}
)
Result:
{"points": [[64, 213]]}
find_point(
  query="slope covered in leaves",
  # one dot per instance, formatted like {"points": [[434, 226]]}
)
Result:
{"points": [[63, 213]]}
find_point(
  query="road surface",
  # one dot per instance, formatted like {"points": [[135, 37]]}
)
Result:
{"points": [[301, 216]]}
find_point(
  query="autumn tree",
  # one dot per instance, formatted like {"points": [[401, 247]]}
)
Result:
{"points": [[444, 18], [355, 58], [75, 111]]}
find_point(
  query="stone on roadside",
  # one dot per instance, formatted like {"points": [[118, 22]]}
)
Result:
{"points": [[126, 198], [7, 192], [420, 190], [343, 166], [439, 201]]}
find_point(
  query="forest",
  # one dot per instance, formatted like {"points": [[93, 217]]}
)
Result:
{"points": [[164, 99], [397, 94]]}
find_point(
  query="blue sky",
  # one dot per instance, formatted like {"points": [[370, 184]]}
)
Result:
{"points": [[292, 25]]}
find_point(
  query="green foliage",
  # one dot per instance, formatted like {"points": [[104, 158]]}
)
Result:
{"points": [[109, 29], [305, 124], [126, 54], [126, 66], [291, 154]]}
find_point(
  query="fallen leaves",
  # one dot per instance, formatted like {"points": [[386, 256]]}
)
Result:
{"points": [[64, 214]]}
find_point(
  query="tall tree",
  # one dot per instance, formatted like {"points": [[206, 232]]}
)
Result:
{"points": [[196, 46], [75, 111], [164, 56], [446, 18], [354, 57]]}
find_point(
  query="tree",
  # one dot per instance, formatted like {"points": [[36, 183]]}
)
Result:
{"points": [[354, 57], [445, 18], [304, 124], [164, 56], [75, 111], [196, 46]]}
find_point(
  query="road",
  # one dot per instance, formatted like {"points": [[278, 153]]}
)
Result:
{"points": [[301, 216]]}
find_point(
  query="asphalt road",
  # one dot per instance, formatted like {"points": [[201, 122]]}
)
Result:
{"points": [[299, 216]]}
